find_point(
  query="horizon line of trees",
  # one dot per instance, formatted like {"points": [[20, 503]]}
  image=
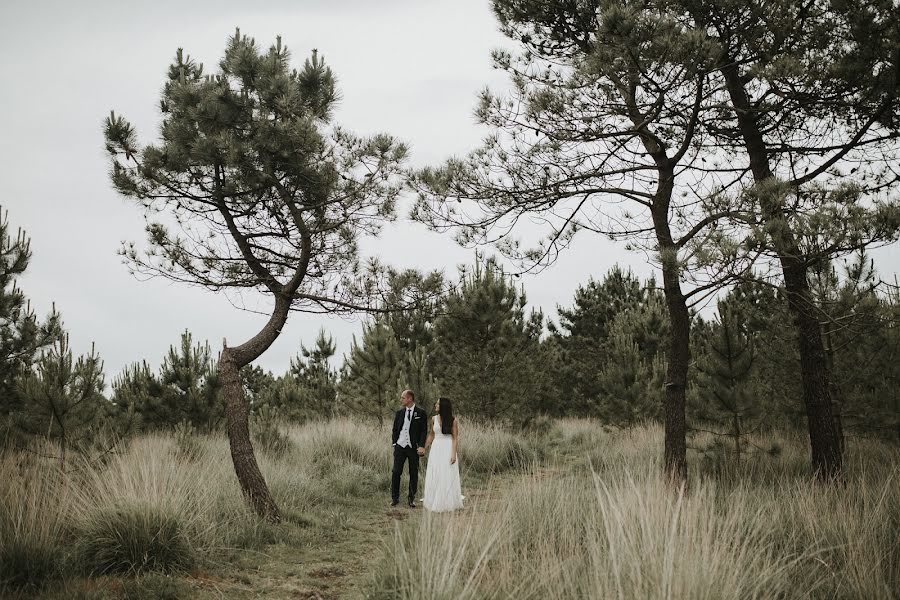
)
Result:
{"points": [[477, 343]]}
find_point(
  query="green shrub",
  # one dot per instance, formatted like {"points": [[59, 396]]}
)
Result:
{"points": [[133, 539]]}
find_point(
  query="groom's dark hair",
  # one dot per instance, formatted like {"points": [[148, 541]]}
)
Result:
{"points": [[410, 394]]}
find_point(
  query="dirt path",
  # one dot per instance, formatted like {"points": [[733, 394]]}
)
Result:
{"points": [[323, 564]]}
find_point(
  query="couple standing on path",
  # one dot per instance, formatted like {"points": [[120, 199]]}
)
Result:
{"points": [[411, 436]]}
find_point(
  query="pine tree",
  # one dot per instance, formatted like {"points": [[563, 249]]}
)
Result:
{"points": [[266, 194], [632, 375], [62, 398], [857, 328], [486, 346], [256, 380], [290, 399], [22, 336], [133, 389], [725, 371], [412, 326], [416, 374], [372, 370], [763, 312], [314, 372], [887, 415], [598, 134], [582, 333], [186, 389], [809, 100], [190, 389], [631, 386]]}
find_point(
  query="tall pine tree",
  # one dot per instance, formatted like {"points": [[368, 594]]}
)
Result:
{"points": [[486, 346], [22, 335], [266, 193], [809, 109], [371, 371], [190, 386]]}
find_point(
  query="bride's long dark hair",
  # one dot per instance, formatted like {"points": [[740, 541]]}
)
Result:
{"points": [[445, 409]]}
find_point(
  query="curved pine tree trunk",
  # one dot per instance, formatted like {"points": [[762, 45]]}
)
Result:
{"points": [[237, 412]]}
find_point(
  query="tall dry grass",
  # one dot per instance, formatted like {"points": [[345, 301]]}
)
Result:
{"points": [[166, 502], [578, 511], [34, 510], [608, 526]]}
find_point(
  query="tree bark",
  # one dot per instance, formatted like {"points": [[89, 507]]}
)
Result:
{"points": [[824, 437], [679, 354], [237, 411], [837, 402]]}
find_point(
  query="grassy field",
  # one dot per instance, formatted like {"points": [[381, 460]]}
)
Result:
{"points": [[576, 511]]}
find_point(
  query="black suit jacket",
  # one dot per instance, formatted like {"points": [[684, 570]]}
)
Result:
{"points": [[418, 427]]}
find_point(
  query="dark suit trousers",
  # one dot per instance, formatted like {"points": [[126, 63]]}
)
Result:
{"points": [[401, 455]]}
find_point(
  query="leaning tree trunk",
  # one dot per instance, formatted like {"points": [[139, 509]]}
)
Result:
{"points": [[237, 411], [825, 439], [679, 352]]}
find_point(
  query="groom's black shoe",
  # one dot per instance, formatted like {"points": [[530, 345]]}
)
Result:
{"points": [[394, 503], [412, 504]]}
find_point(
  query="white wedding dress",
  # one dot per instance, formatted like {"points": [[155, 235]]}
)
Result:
{"points": [[442, 487]]}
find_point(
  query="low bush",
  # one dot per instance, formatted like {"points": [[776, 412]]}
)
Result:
{"points": [[133, 539]]}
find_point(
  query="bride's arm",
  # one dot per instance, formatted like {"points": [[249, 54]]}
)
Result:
{"points": [[455, 441]]}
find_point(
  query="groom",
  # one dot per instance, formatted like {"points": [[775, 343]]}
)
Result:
{"points": [[408, 439]]}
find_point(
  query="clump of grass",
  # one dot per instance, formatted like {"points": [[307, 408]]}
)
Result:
{"points": [[579, 433], [138, 513], [341, 441], [352, 480], [155, 587], [443, 558], [133, 539], [845, 534]]}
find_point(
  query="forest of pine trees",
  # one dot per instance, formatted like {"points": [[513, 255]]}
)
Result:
{"points": [[603, 357]]}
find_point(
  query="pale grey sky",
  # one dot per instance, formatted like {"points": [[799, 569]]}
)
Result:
{"points": [[409, 68]]}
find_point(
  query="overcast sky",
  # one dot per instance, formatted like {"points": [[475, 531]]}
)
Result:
{"points": [[410, 68]]}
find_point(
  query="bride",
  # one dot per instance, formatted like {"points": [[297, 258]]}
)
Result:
{"points": [[442, 487]]}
